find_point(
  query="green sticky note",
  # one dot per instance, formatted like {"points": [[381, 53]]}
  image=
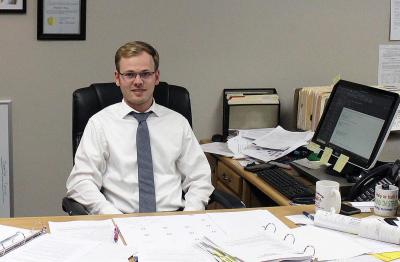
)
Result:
{"points": [[340, 163], [326, 155]]}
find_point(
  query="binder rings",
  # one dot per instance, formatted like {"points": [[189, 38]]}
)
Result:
{"points": [[250, 108], [252, 248], [16, 237]]}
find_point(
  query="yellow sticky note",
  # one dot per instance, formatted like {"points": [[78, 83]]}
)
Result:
{"points": [[326, 155], [388, 256], [313, 147], [340, 163]]}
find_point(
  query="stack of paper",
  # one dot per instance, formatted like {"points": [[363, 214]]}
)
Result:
{"points": [[236, 98], [269, 145]]}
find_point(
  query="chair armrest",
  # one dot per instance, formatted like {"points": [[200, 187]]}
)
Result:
{"points": [[226, 200], [73, 208]]}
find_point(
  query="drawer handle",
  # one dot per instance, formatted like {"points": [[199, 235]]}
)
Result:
{"points": [[226, 178]]}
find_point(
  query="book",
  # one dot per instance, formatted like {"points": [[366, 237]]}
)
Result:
{"points": [[13, 237]]}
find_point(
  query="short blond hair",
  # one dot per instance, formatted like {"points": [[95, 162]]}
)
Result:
{"points": [[135, 48]]}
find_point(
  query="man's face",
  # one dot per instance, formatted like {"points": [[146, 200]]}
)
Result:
{"points": [[137, 91]]}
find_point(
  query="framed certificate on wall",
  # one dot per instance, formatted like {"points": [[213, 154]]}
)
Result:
{"points": [[61, 20], [13, 6]]}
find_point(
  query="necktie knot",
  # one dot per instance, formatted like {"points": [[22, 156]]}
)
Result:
{"points": [[140, 117]]}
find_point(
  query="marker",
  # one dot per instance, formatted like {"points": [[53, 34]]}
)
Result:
{"points": [[308, 215]]}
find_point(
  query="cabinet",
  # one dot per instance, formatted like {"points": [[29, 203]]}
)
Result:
{"points": [[229, 176]]}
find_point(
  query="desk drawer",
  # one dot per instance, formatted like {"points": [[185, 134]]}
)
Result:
{"points": [[229, 178]]}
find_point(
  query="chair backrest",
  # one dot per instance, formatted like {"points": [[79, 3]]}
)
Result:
{"points": [[89, 100]]}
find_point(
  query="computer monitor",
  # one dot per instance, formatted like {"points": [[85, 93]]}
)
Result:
{"points": [[356, 123]]}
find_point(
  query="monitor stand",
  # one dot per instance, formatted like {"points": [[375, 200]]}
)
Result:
{"points": [[322, 173]]}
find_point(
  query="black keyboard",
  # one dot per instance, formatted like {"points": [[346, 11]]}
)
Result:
{"points": [[286, 184]]}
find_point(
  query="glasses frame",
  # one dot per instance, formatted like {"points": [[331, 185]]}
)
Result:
{"points": [[150, 73]]}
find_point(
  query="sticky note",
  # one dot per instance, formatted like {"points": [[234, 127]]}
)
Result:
{"points": [[326, 155], [313, 147], [388, 256], [340, 163]]}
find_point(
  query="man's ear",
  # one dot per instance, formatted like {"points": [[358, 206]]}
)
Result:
{"points": [[116, 78], [157, 75]]}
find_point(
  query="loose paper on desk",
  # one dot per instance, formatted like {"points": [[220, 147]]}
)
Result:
{"points": [[51, 248], [8, 231], [217, 148], [254, 133], [98, 230], [281, 139], [259, 247], [178, 234], [237, 144], [328, 244], [168, 235]]}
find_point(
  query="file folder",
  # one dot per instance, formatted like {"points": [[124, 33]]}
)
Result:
{"points": [[250, 108]]}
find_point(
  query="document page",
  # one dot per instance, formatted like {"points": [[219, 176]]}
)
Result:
{"points": [[389, 65], [328, 244], [281, 139], [97, 230], [218, 148], [51, 248], [394, 20], [261, 247], [168, 235], [252, 222], [8, 231]]}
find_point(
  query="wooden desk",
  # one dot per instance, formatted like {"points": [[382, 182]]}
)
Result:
{"points": [[38, 222], [229, 176]]}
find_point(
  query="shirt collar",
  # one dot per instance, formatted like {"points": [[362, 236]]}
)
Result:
{"points": [[125, 109]]}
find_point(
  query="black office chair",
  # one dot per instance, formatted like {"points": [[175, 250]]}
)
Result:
{"points": [[89, 100]]}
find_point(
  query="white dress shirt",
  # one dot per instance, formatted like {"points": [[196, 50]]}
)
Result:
{"points": [[104, 178]]}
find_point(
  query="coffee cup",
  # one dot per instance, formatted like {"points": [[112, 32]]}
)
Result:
{"points": [[327, 196], [386, 200]]}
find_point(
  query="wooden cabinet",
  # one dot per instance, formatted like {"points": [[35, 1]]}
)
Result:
{"points": [[229, 179]]}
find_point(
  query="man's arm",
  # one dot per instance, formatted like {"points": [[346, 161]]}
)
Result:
{"points": [[86, 178], [196, 169]]}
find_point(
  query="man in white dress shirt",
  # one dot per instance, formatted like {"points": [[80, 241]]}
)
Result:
{"points": [[105, 175]]}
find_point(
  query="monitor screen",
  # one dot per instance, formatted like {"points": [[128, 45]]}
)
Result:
{"points": [[356, 122]]}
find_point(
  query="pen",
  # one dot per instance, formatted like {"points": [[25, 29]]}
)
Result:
{"points": [[116, 234], [308, 215]]}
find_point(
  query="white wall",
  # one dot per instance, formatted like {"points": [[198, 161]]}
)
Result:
{"points": [[204, 45]]}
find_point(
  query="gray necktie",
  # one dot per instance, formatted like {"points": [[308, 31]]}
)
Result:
{"points": [[147, 198]]}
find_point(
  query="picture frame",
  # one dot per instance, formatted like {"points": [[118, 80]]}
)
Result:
{"points": [[12, 6], [61, 20]]}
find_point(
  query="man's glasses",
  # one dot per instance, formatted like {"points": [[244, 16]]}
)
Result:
{"points": [[130, 76]]}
